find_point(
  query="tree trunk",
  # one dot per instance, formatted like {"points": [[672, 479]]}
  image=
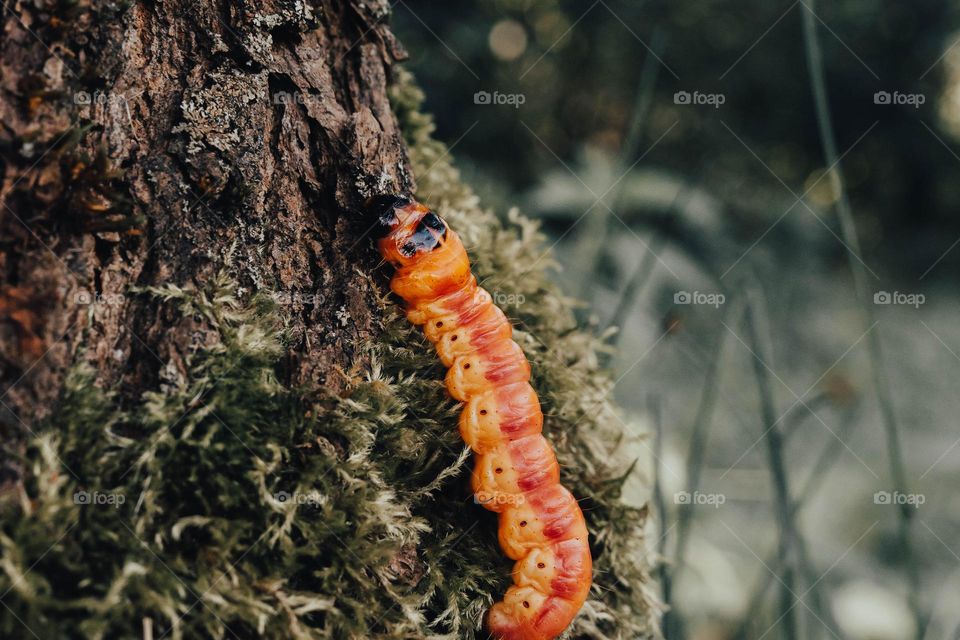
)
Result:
{"points": [[156, 143]]}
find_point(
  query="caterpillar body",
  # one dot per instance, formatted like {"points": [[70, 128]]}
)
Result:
{"points": [[516, 473]]}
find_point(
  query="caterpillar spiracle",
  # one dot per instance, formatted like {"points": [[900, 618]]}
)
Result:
{"points": [[541, 525]]}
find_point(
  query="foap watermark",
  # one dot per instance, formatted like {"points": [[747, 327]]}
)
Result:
{"points": [[895, 497], [496, 98], [897, 98], [486, 497], [699, 498], [699, 297], [508, 299], [298, 497], [898, 297], [88, 298], [97, 498], [295, 97], [697, 98], [86, 98], [95, 103], [286, 298]]}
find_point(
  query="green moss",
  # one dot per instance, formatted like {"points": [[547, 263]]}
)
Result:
{"points": [[227, 505]]}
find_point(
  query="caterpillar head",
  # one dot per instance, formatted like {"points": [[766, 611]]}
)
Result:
{"points": [[406, 229]]}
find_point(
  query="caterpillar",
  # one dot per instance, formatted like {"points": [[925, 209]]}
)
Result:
{"points": [[516, 473]]}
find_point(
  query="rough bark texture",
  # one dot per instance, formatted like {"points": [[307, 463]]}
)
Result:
{"points": [[145, 143]]}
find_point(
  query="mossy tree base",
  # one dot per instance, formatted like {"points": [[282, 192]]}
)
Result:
{"points": [[234, 499]]}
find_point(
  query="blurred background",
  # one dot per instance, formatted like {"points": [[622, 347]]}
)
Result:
{"points": [[761, 197]]}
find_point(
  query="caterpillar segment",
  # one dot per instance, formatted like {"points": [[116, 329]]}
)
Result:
{"points": [[516, 474]]}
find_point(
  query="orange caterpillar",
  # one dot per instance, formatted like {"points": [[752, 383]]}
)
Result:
{"points": [[516, 472]]}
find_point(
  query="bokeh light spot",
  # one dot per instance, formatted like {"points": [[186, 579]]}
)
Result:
{"points": [[508, 40]]}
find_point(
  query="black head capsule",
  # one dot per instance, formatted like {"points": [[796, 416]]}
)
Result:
{"points": [[433, 221], [382, 209], [428, 234]]}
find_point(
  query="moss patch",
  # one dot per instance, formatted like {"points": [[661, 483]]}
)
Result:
{"points": [[227, 505]]}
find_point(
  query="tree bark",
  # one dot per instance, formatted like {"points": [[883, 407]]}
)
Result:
{"points": [[158, 142]]}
